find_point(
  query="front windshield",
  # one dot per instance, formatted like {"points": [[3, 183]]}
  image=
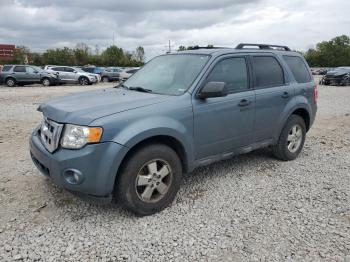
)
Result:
{"points": [[79, 70], [168, 74], [36, 68]]}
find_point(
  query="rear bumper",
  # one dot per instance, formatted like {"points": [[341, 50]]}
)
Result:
{"points": [[98, 163]]}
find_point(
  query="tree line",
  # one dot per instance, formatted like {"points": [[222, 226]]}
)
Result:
{"points": [[333, 53], [79, 56]]}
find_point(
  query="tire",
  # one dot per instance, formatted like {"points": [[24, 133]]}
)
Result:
{"points": [[10, 82], [46, 81], [290, 142], [149, 180], [105, 79], [84, 81]]}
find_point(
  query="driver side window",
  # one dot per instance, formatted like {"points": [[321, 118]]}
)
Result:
{"points": [[30, 70], [232, 71]]}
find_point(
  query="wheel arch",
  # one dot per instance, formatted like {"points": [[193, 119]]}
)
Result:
{"points": [[8, 77], [304, 114], [167, 140], [298, 107]]}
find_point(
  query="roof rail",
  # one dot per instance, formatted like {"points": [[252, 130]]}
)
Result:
{"points": [[207, 47], [263, 46]]}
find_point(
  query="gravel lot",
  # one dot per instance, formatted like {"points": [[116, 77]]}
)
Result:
{"points": [[249, 208]]}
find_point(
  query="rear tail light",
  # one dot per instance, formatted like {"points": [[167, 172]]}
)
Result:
{"points": [[315, 94]]}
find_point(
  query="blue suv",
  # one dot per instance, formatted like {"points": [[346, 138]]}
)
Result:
{"points": [[178, 112]]}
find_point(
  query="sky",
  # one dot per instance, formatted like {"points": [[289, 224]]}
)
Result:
{"points": [[44, 24]]}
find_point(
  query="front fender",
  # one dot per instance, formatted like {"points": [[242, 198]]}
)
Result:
{"points": [[143, 129], [298, 102]]}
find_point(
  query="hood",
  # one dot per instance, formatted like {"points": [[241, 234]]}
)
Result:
{"points": [[338, 72], [83, 108]]}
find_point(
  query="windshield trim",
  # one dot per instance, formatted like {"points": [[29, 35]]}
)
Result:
{"points": [[175, 54]]}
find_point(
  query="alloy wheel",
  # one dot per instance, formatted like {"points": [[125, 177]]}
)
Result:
{"points": [[153, 180], [294, 138]]}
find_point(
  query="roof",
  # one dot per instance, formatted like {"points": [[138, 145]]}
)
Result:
{"points": [[260, 48], [230, 51]]}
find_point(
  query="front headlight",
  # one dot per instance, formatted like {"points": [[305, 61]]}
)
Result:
{"points": [[75, 137]]}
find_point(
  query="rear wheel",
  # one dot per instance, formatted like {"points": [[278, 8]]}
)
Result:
{"points": [[149, 180], [10, 82], [291, 140]]}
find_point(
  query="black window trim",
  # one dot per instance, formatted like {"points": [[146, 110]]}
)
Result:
{"points": [[253, 72], [218, 60], [306, 67]]}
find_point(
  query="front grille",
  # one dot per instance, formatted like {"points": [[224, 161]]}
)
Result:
{"points": [[50, 133]]}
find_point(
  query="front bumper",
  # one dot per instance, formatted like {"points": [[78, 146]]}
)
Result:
{"points": [[93, 79], [98, 163]]}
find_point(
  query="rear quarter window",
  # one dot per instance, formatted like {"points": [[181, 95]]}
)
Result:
{"points": [[6, 68], [298, 68], [267, 72]]}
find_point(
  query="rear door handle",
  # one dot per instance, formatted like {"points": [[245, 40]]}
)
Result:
{"points": [[244, 102], [285, 94]]}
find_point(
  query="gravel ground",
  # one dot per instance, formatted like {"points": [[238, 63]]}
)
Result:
{"points": [[249, 208]]}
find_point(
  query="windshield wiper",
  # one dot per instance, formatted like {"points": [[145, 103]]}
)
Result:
{"points": [[140, 89], [122, 85]]}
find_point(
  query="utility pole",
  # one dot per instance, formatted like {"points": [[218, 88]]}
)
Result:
{"points": [[168, 47], [113, 38]]}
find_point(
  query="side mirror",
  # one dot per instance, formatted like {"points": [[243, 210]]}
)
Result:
{"points": [[75, 72], [35, 72], [213, 89]]}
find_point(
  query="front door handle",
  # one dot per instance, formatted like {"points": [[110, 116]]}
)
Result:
{"points": [[244, 102], [285, 94]]}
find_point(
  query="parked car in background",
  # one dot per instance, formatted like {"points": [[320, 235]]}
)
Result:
{"points": [[321, 71], [13, 75], [179, 112], [124, 75], [337, 76], [111, 74], [93, 69], [69, 74], [48, 66]]}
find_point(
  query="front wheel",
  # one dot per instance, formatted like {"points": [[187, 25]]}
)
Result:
{"points": [[83, 81], [149, 180], [291, 140], [105, 79], [46, 82]]}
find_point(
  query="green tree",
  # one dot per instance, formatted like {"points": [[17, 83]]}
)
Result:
{"points": [[182, 48], [81, 54], [21, 55], [333, 53], [113, 56], [140, 54]]}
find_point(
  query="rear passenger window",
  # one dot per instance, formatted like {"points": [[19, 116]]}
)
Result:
{"points": [[298, 68], [58, 69], [68, 69], [232, 71], [19, 69], [267, 71]]}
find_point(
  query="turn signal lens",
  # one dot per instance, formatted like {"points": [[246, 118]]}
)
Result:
{"points": [[95, 134]]}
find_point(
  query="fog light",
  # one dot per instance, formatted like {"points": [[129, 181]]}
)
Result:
{"points": [[73, 176]]}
